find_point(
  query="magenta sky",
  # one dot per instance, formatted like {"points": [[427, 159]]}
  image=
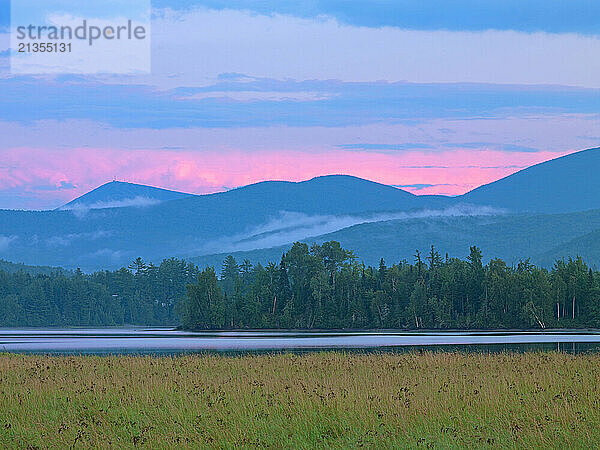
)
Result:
{"points": [[79, 170]]}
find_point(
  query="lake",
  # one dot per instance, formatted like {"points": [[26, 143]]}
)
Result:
{"points": [[166, 340]]}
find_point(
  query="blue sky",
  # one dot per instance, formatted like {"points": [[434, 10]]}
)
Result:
{"points": [[555, 16], [411, 93]]}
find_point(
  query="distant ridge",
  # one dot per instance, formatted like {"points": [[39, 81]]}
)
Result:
{"points": [[566, 184], [586, 246], [118, 194], [372, 218], [10, 267], [543, 238], [174, 223], [328, 194]]}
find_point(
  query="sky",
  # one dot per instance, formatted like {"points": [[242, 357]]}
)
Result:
{"points": [[431, 96]]}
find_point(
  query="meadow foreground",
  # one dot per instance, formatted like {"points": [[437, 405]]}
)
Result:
{"points": [[434, 400]]}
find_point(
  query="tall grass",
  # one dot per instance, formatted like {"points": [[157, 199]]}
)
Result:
{"points": [[434, 400]]}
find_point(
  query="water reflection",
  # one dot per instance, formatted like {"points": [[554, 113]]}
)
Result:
{"points": [[163, 340]]}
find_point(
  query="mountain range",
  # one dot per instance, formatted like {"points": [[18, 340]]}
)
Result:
{"points": [[547, 211]]}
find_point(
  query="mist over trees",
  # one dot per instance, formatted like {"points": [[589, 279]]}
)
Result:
{"points": [[321, 286]]}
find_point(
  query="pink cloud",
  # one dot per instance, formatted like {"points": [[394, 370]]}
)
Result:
{"points": [[49, 173]]}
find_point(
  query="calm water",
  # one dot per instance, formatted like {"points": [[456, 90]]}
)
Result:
{"points": [[162, 340]]}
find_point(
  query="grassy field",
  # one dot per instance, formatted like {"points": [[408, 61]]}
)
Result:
{"points": [[433, 400]]}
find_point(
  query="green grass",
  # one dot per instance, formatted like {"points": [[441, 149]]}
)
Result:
{"points": [[433, 400]]}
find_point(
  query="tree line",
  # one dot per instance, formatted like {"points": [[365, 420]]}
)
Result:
{"points": [[141, 294], [324, 286], [319, 286]]}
